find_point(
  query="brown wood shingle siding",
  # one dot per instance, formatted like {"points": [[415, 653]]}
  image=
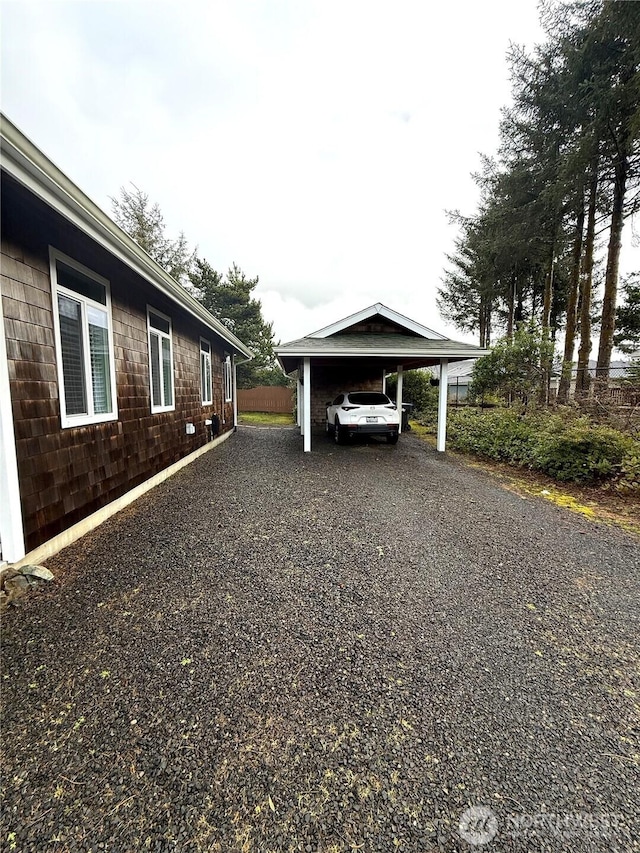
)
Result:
{"points": [[328, 382], [377, 326], [66, 474]]}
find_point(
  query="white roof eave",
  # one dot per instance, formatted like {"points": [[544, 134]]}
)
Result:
{"points": [[29, 166], [435, 352]]}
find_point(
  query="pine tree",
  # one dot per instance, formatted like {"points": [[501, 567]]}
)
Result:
{"points": [[230, 300], [142, 220]]}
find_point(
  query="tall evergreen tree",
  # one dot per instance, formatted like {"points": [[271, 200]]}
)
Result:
{"points": [[143, 220], [627, 336], [467, 297], [230, 299], [583, 377], [615, 89], [569, 160]]}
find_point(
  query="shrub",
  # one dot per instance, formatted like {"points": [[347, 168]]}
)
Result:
{"points": [[416, 389], [562, 446], [499, 434], [629, 477], [582, 452], [514, 369]]}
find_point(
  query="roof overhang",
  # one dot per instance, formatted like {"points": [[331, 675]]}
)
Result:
{"points": [[399, 341], [290, 357], [30, 167]]}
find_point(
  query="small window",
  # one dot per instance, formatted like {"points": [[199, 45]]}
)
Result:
{"points": [[368, 398], [84, 343], [205, 372], [160, 361], [339, 400], [228, 380]]}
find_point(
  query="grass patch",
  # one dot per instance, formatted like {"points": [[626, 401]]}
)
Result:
{"points": [[424, 432], [266, 418]]}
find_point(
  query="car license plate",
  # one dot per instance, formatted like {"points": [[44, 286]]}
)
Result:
{"points": [[371, 420]]}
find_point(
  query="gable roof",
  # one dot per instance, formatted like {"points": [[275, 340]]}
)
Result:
{"points": [[30, 167], [377, 310], [417, 346], [380, 346]]}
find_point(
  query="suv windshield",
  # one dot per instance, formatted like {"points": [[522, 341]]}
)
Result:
{"points": [[369, 398]]}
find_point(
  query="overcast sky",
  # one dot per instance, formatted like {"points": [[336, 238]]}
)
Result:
{"points": [[315, 144]]}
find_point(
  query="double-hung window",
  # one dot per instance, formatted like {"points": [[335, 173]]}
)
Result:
{"points": [[84, 343], [205, 372], [160, 361], [228, 380]]}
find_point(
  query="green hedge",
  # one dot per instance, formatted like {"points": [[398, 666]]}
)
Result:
{"points": [[563, 446]]}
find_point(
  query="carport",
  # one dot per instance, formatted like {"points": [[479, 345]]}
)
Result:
{"points": [[359, 352]]}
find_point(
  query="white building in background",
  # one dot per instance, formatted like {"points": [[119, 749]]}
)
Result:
{"points": [[460, 376], [458, 380]]}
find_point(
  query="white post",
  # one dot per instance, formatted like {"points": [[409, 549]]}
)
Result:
{"points": [[235, 394], [384, 381], [399, 396], [299, 402], [442, 404], [307, 404], [11, 528]]}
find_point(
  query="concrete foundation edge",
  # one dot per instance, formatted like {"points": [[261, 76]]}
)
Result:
{"points": [[77, 531]]}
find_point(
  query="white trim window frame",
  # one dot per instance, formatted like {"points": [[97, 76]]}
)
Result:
{"points": [[161, 378], [228, 379], [83, 330], [206, 378]]}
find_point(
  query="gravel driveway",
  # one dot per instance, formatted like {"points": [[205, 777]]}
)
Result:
{"points": [[336, 651]]}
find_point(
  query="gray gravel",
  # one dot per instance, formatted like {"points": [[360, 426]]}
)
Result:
{"points": [[337, 651]]}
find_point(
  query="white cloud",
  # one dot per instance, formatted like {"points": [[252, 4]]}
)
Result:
{"points": [[317, 144]]}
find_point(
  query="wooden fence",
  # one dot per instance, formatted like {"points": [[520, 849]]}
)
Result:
{"points": [[266, 398]]}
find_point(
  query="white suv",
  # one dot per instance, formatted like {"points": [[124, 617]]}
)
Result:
{"points": [[362, 413]]}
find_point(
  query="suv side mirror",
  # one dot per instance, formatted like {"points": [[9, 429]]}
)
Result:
{"points": [[328, 404]]}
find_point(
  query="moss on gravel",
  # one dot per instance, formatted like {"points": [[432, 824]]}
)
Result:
{"points": [[599, 503]]}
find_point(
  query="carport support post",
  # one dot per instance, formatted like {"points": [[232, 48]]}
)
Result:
{"points": [[442, 404], [299, 402], [306, 392], [399, 396]]}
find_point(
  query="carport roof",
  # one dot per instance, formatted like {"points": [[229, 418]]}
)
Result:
{"points": [[411, 345]]}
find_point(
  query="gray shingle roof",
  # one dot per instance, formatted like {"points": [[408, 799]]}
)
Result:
{"points": [[377, 344], [390, 349]]}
